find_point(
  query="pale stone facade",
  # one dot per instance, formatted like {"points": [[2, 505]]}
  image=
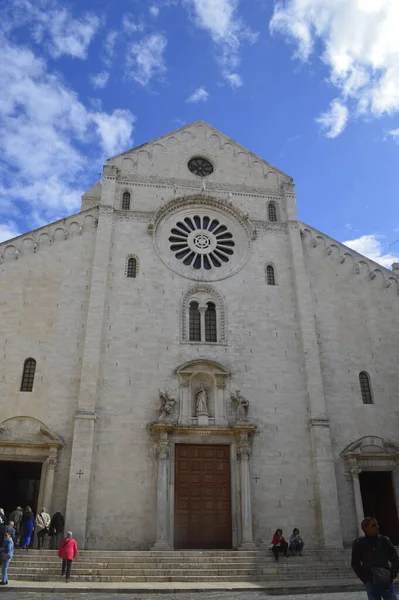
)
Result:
{"points": [[107, 347]]}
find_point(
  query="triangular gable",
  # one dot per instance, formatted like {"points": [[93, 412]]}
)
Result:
{"points": [[199, 129]]}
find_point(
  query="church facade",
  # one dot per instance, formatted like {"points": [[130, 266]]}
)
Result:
{"points": [[187, 365]]}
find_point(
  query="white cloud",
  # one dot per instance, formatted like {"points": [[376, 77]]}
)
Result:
{"points": [[333, 122], [154, 10], [8, 230], [394, 133], [221, 20], [131, 26], [234, 79], [109, 47], [371, 246], [200, 95], [53, 26], [114, 130], [145, 59], [359, 45], [100, 80], [44, 130]]}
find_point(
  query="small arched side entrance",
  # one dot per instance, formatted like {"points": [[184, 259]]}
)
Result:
{"points": [[373, 464], [28, 459]]}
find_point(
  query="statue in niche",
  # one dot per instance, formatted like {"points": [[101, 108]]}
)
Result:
{"points": [[241, 405], [167, 407], [201, 403]]}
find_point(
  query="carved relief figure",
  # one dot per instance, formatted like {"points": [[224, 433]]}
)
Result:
{"points": [[167, 406], [201, 404], [241, 405]]}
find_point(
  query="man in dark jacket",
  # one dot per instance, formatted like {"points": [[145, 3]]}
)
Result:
{"points": [[375, 559], [56, 527], [16, 516]]}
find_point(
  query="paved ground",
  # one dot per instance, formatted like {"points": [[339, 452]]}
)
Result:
{"points": [[200, 596]]}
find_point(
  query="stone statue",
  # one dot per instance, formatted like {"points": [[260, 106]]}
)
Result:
{"points": [[167, 406], [241, 405], [201, 404], [203, 186]]}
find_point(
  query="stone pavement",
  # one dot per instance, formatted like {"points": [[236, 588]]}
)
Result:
{"points": [[196, 596]]}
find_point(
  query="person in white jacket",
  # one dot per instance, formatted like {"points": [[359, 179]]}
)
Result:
{"points": [[41, 526]]}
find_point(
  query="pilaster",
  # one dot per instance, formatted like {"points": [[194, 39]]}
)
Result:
{"points": [[319, 425], [244, 453], [85, 416]]}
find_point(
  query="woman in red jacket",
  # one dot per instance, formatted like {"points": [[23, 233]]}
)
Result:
{"points": [[67, 551], [279, 544]]}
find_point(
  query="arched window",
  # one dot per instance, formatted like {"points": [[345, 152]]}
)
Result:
{"points": [[126, 201], [194, 323], [270, 278], [28, 375], [365, 388], [272, 212], [210, 323], [131, 267]]}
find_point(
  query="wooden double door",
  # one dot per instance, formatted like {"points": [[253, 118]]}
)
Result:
{"points": [[202, 497]]}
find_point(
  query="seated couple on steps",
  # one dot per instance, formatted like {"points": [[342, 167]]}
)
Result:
{"points": [[279, 545]]}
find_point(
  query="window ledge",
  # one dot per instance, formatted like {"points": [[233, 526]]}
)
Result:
{"points": [[203, 343]]}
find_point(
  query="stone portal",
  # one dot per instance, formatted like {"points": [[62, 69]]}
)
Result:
{"points": [[202, 497]]}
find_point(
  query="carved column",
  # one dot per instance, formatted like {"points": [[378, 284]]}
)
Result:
{"points": [[51, 464], [244, 452], [162, 529], [202, 310], [185, 399], [355, 472]]}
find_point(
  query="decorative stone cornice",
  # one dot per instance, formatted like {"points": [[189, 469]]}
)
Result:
{"points": [[344, 255], [319, 422], [194, 184], [172, 429], [85, 415], [33, 241], [131, 215]]}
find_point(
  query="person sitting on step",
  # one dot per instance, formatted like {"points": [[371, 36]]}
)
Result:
{"points": [[296, 543], [279, 544]]}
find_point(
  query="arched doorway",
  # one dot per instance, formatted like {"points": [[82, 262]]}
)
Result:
{"points": [[373, 464], [28, 459]]}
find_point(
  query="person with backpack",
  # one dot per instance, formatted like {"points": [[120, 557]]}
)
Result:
{"points": [[375, 561], [67, 551]]}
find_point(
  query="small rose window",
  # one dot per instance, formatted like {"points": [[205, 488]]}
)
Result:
{"points": [[202, 242], [200, 166]]}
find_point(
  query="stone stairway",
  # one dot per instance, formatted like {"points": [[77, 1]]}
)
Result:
{"points": [[183, 566]]}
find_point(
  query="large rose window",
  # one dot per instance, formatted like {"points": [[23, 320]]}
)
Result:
{"points": [[201, 238], [202, 242]]}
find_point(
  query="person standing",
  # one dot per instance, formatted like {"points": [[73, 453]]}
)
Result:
{"points": [[16, 516], [57, 526], [28, 525], [42, 524], [375, 561], [3, 523], [67, 551], [11, 530], [6, 556]]}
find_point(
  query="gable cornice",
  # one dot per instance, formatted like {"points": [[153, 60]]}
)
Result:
{"points": [[314, 239], [213, 130], [32, 241]]}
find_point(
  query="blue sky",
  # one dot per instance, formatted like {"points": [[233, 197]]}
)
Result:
{"points": [[312, 86]]}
